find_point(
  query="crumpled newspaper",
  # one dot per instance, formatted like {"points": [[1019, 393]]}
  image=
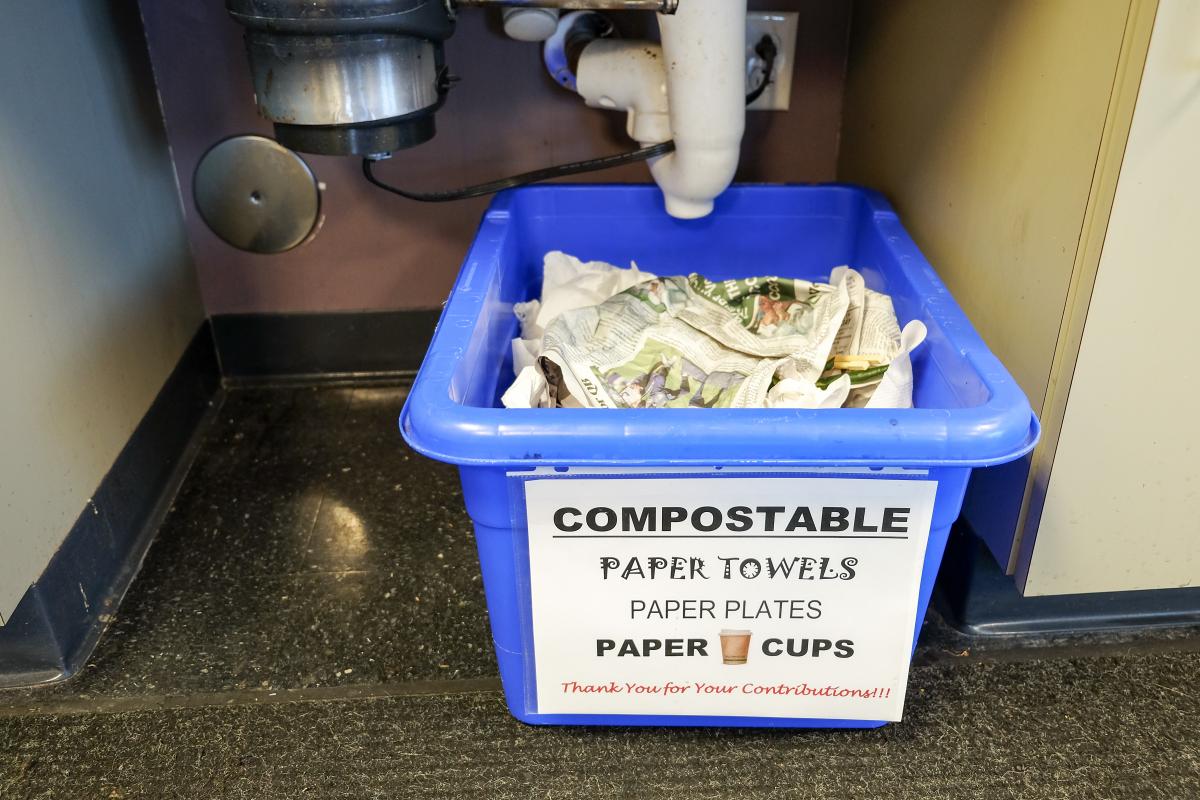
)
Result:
{"points": [[567, 284], [871, 349], [605, 337]]}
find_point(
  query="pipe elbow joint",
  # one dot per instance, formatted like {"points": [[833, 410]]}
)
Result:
{"points": [[691, 178], [629, 76]]}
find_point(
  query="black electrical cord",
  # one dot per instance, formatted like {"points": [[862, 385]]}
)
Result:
{"points": [[537, 176], [766, 51]]}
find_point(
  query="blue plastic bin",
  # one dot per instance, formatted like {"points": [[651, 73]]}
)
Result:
{"points": [[970, 413]]}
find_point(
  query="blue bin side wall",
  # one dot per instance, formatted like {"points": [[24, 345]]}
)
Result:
{"points": [[729, 247], [943, 379], [483, 370], [749, 229], [503, 556], [992, 506]]}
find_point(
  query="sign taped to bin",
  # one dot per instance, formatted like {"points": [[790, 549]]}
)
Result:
{"points": [[766, 596]]}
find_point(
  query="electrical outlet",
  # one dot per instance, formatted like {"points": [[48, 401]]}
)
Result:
{"points": [[781, 27]]}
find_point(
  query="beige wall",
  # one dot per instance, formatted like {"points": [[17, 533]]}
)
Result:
{"points": [[377, 251], [997, 129], [982, 121], [98, 296], [1121, 505]]}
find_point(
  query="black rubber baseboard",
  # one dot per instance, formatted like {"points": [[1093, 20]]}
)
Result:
{"points": [[975, 596], [57, 623], [322, 346]]}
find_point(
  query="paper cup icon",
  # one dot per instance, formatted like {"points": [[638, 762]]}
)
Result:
{"points": [[735, 646]]}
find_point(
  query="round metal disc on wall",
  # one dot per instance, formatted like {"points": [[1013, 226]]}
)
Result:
{"points": [[256, 194]]}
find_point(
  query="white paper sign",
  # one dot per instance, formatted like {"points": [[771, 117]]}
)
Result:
{"points": [[725, 596]]}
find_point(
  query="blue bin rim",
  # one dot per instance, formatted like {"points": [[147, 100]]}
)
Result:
{"points": [[1000, 430]]}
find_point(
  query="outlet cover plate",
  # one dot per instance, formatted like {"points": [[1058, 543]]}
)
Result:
{"points": [[780, 26]]}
